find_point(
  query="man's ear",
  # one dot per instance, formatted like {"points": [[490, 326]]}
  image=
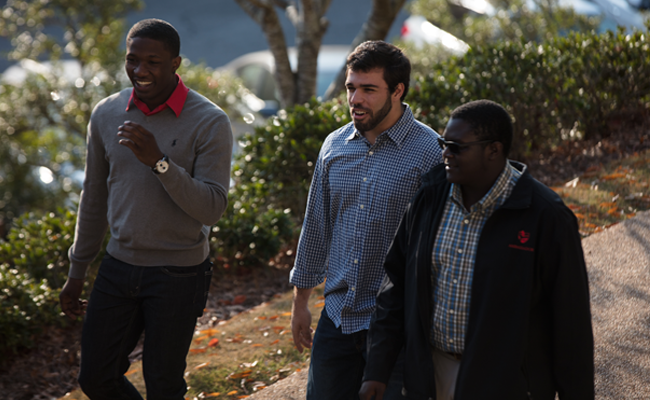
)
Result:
{"points": [[176, 62], [399, 90], [495, 151]]}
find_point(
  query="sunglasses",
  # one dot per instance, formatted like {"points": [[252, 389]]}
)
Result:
{"points": [[456, 148]]}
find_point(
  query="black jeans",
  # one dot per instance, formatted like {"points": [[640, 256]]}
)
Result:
{"points": [[337, 363], [126, 300]]}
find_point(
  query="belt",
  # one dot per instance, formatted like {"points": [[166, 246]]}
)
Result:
{"points": [[455, 356]]}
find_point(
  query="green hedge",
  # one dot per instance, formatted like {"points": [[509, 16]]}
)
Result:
{"points": [[277, 161], [567, 88], [33, 267]]}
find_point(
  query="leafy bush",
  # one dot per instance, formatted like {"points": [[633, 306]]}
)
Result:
{"points": [[568, 88], [249, 234], [33, 268], [277, 161]]}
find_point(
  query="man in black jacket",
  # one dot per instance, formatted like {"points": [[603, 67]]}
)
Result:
{"points": [[487, 287]]}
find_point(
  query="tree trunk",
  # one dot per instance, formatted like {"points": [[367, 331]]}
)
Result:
{"points": [[311, 24], [379, 21], [262, 12]]}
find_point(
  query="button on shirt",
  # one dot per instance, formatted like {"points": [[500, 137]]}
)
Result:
{"points": [[453, 258], [357, 197]]}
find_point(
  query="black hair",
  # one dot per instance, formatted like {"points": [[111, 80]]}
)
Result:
{"points": [[489, 121], [157, 29], [379, 54]]}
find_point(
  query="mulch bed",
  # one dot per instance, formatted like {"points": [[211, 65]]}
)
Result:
{"points": [[48, 371]]}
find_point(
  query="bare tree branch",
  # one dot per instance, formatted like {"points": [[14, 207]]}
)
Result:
{"points": [[381, 18]]}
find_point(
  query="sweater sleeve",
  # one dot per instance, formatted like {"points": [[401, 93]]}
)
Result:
{"points": [[203, 192], [92, 222]]}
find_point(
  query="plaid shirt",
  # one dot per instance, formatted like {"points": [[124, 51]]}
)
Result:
{"points": [[454, 254], [357, 197]]}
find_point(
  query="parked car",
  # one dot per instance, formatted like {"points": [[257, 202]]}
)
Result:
{"points": [[419, 30], [256, 71]]}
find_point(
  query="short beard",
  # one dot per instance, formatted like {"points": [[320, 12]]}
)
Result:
{"points": [[376, 119]]}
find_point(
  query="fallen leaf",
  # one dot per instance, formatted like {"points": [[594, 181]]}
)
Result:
{"points": [[213, 342], [277, 329], [286, 314], [607, 204], [321, 297], [273, 317], [257, 345], [131, 372], [263, 317], [275, 341], [205, 364], [210, 332], [199, 350], [319, 304], [239, 299], [615, 175], [243, 396], [231, 392], [240, 375], [579, 216], [612, 211], [213, 394], [200, 338]]}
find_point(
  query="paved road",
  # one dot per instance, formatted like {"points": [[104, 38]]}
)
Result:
{"points": [[217, 31], [618, 263]]}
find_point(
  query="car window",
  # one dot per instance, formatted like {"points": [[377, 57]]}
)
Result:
{"points": [[259, 80]]}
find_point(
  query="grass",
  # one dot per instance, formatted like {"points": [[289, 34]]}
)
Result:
{"points": [[255, 348]]}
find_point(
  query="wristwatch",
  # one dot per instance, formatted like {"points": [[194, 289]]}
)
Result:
{"points": [[161, 165]]}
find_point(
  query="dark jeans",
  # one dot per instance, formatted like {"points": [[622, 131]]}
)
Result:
{"points": [[337, 363], [126, 300]]}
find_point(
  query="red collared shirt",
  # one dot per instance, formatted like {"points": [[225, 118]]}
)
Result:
{"points": [[175, 101]]}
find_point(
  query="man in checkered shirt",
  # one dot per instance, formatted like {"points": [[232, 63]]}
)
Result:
{"points": [[487, 287], [366, 173]]}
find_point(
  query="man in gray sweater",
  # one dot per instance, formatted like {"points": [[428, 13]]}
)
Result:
{"points": [[157, 174]]}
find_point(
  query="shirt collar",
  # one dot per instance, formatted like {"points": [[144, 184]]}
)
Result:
{"points": [[397, 133], [494, 197], [176, 101]]}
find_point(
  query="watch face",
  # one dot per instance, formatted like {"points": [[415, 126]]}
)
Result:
{"points": [[162, 166]]}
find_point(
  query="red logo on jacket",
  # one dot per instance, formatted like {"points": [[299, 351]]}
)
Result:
{"points": [[523, 236]]}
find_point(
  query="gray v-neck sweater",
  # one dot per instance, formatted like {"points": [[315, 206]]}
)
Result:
{"points": [[154, 220]]}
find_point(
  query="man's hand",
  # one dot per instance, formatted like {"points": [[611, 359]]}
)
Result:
{"points": [[141, 142], [370, 389], [71, 305], [301, 319]]}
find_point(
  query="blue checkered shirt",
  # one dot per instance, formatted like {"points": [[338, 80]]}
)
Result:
{"points": [[454, 254], [357, 197]]}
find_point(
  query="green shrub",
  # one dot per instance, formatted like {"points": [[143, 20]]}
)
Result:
{"points": [[568, 88], [39, 246], [277, 161], [27, 305], [249, 234]]}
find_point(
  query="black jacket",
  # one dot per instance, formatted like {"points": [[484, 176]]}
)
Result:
{"points": [[529, 333]]}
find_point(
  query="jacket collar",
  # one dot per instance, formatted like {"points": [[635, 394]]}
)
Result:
{"points": [[520, 197]]}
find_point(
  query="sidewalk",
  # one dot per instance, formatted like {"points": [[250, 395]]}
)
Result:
{"points": [[618, 262]]}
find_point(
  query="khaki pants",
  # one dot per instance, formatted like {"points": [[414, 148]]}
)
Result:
{"points": [[446, 371]]}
